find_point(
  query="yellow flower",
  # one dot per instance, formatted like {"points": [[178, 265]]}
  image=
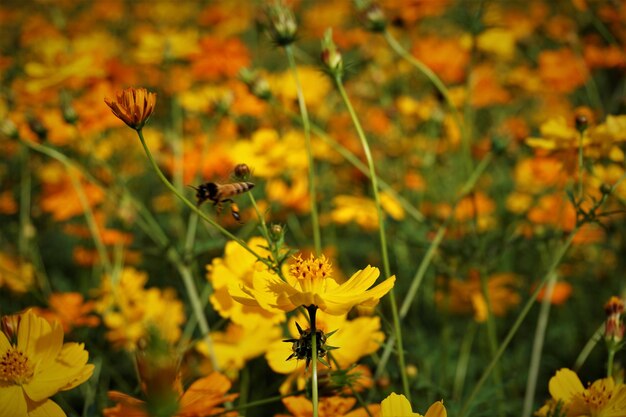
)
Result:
{"points": [[362, 210], [398, 406], [133, 106], [603, 398], [130, 310], [38, 366], [310, 282], [238, 266], [238, 344], [15, 274]]}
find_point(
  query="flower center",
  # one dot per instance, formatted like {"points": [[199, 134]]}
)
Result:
{"points": [[15, 367], [596, 396], [312, 269]]}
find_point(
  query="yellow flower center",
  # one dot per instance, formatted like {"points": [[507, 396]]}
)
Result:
{"points": [[15, 367], [311, 272], [596, 396]]}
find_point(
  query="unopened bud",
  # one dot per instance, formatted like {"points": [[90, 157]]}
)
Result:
{"points": [[371, 14], [242, 172], [581, 123], [614, 326], [10, 325], [330, 55], [282, 24]]}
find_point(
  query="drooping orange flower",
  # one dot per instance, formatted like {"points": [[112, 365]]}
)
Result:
{"points": [[328, 407], [202, 398], [133, 106]]}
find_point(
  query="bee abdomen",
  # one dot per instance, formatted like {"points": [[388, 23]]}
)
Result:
{"points": [[242, 187]]}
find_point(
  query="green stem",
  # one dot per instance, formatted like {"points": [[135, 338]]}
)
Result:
{"points": [[535, 358], [463, 362], [586, 350], [580, 165], [493, 342], [312, 309], [609, 364], [89, 217], [244, 387], [381, 229], [525, 310], [309, 150]]}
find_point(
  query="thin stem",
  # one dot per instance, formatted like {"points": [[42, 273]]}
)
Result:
{"points": [[586, 350], [244, 387], [464, 357], [540, 335], [580, 165], [609, 363], [197, 308], [89, 217], [529, 304], [493, 342], [381, 230], [261, 217], [309, 150], [312, 309]]}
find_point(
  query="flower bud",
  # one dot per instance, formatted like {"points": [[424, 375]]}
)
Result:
{"points": [[371, 15], [256, 84], [10, 325], [281, 22], [581, 123], [133, 106], [330, 55], [614, 326], [242, 172]]}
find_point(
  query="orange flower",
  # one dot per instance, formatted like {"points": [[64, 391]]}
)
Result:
{"points": [[446, 57], [69, 309], [133, 106], [466, 296], [560, 294], [200, 399], [562, 71], [328, 407]]}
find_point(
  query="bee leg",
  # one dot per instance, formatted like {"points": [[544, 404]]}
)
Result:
{"points": [[234, 210], [218, 207]]}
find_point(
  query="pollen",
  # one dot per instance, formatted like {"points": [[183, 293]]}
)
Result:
{"points": [[597, 395], [312, 269], [15, 367]]}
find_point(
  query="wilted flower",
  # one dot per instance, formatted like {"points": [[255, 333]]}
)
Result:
{"points": [[614, 325], [133, 106]]}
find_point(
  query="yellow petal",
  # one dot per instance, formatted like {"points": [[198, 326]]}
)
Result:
{"points": [[38, 339], [564, 385], [397, 406], [437, 410], [12, 401], [47, 409], [4, 344]]}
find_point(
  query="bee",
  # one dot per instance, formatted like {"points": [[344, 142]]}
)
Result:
{"points": [[222, 193]]}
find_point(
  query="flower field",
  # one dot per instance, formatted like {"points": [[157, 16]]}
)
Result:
{"points": [[312, 208]]}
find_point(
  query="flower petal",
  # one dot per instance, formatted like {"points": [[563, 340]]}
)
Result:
{"points": [[564, 385], [12, 401], [47, 408], [397, 406], [437, 410]]}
